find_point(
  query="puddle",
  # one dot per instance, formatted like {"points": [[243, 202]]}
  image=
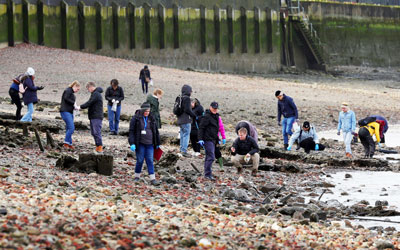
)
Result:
{"points": [[369, 186]]}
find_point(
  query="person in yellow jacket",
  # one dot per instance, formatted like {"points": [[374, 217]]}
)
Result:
{"points": [[365, 133]]}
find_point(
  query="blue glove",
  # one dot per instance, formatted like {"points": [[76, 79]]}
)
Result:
{"points": [[133, 147], [201, 142], [157, 147], [316, 147], [223, 141], [289, 148]]}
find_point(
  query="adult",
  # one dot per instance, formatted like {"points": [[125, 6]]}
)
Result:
{"points": [[185, 119], [245, 150], [145, 78], [114, 96], [208, 137], [251, 129], [14, 92], [143, 138], [288, 109], [154, 101], [307, 138], [383, 126], [95, 113], [347, 123], [198, 110], [68, 105], [30, 94], [365, 133]]}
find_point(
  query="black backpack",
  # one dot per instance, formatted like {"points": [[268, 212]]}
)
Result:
{"points": [[178, 110], [366, 120]]}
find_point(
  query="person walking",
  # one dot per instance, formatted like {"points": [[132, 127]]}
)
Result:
{"points": [[114, 95], [288, 109], [198, 110], [365, 133], [95, 113], [68, 104], [307, 138], [144, 138], [154, 101], [185, 119], [208, 137], [145, 78], [347, 123], [30, 94], [17, 88], [245, 150]]}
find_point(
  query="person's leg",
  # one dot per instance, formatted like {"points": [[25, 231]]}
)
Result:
{"points": [[148, 156], [289, 125], [308, 144], [143, 83], [117, 116], [185, 134], [255, 159], [28, 116], [96, 125], [218, 156], [347, 137], [321, 147], [285, 136], [140, 151], [17, 101], [237, 161], [147, 87], [383, 139], [371, 145], [210, 157], [69, 122], [363, 134], [194, 141], [110, 118]]}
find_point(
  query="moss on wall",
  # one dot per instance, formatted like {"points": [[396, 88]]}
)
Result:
{"points": [[90, 28], [72, 28], [52, 26], [18, 23], [32, 23], [3, 24]]}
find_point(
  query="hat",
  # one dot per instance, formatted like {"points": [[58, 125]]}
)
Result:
{"points": [[30, 71], [278, 93], [345, 104], [146, 67], [306, 124], [214, 105], [145, 106]]}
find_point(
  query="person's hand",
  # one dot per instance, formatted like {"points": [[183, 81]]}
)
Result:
{"points": [[233, 149], [279, 123], [40, 87], [201, 142], [353, 133], [133, 147], [338, 133], [223, 141], [76, 107], [113, 100], [289, 148], [379, 145], [316, 147], [248, 155], [117, 102]]}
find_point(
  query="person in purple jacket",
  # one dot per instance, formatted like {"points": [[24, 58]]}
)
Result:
{"points": [[30, 95], [288, 109]]}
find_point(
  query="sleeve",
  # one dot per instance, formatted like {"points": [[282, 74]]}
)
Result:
{"points": [[69, 97], [293, 105], [187, 107], [158, 140], [353, 122], [339, 124], [255, 148], [149, 74], [131, 139], [294, 137], [121, 96], [235, 145], [91, 100], [203, 124], [377, 136], [141, 74], [108, 94], [29, 84], [221, 128], [279, 112], [315, 137]]}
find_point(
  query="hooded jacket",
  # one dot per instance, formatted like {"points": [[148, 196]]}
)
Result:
{"points": [[117, 94], [287, 108], [68, 100], [198, 110], [209, 127], [95, 105], [187, 116], [251, 129], [247, 146], [135, 129], [30, 95], [373, 128], [301, 135], [154, 108]]}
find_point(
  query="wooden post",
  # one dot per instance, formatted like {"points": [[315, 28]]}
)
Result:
{"points": [[25, 129], [38, 140], [50, 140]]}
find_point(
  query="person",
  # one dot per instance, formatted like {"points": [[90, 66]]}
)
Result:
{"points": [[68, 104], [365, 133], [307, 138], [288, 109], [30, 94], [114, 95], [154, 101], [198, 110], [145, 78], [383, 126], [14, 92], [245, 150], [251, 129], [143, 138], [347, 123], [208, 137], [185, 119], [95, 113], [221, 132]]}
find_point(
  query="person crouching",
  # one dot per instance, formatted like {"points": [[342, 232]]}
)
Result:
{"points": [[307, 138], [365, 133], [245, 150]]}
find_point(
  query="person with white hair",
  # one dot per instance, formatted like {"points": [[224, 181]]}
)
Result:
{"points": [[30, 94], [347, 123]]}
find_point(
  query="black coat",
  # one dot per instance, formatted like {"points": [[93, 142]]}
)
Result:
{"points": [[95, 105], [143, 74], [198, 110], [30, 95], [117, 94], [68, 100], [209, 127], [247, 146], [135, 129], [187, 116]]}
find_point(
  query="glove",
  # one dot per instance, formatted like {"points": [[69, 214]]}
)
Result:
{"points": [[338, 133], [201, 142], [316, 147], [279, 123], [116, 101], [379, 145], [223, 141], [297, 120], [40, 88], [113, 100], [158, 146], [77, 107], [289, 148], [133, 147], [197, 118]]}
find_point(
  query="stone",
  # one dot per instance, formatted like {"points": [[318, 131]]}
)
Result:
{"points": [[348, 176], [268, 188], [169, 179], [314, 217], [3, 211], [298, 215], [383, 244]]}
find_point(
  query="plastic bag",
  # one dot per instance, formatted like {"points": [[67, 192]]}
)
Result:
{"points": [[151, 82], [114, 107]]}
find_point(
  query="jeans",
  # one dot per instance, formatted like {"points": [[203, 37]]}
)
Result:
{"points": [[145, 86], [287, 124], [70, 127], [28, 116], [347, 138], [144, 152], [210, 157], [185, 135], [14, 94], [95, 129], [113, 118]]}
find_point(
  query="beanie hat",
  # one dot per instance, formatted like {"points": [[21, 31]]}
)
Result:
{"points": [[277, 93], [145, 106], [306, 124], [30, 71]]}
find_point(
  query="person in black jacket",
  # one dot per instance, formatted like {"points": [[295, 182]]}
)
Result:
{"points": [[95, 113], [245, 150], [185, 119], [15, 91], [198, 110], [208, 137], [30, 94], [143, 138], [67, 111], [114, 96], [144, 78]]}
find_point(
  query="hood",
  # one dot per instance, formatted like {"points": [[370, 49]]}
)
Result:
{"points": [[197, 102], [98, 89], [186, 90]]}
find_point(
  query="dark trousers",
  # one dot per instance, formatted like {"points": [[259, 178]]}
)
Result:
{"points": [[14, 94], [210, 157], [217, 152], [194, 141], [145, 86], [383, 138], [95, 129], [367, 142], [309, 144]]}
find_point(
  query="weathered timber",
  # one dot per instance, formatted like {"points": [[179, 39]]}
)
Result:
{"points": [[39, 141]]}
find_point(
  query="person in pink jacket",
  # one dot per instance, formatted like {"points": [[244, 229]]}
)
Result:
{"points": [[221, 133]]}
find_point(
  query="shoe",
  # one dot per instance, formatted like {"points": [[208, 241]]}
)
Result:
{"points": [[240, 170], [285, 146], [254, 173], [186, 154], [111, 133], [66, 146], [210, 178], [136, 179], [115, 133], [154, 182], [348, 155], [99, 149], [196, 154], [371, 156]]}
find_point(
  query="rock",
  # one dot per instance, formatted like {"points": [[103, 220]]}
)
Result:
{"points": [[3, 173], [169, 179], [3, 211], [381, 203], [348, 176], [188, 243], [241, 195], [205, 243], [364, 202], [382, 244], [268, 188], [347, 223], [298, 215], [190, 179], [263, 210], [344, 193], [314, 217], [172, 170], [163, 173]]}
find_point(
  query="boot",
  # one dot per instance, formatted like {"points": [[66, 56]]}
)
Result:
{"points": [[348, 155], [221, 162], [99, 149], [285, 146]]}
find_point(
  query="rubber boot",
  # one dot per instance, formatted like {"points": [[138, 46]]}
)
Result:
{"points": [[221, 162]]}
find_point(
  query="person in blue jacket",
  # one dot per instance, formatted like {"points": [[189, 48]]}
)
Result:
{"points": [[288, 109], [30, 95], [347, 123], [14, 93]]}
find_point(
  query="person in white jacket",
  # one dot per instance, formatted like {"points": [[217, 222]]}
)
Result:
{"points": [[307, 138]]}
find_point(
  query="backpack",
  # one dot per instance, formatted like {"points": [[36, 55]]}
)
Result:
{"points": [[178, 110], [19, 80], [366, 121]]}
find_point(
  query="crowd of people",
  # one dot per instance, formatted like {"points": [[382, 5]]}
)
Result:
{"points": [[204, 129]]}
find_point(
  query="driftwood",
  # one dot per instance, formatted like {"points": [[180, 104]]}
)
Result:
{"points": [[42, 126], [87, 163], [195, 168], [39, 141], [50, 140]]}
